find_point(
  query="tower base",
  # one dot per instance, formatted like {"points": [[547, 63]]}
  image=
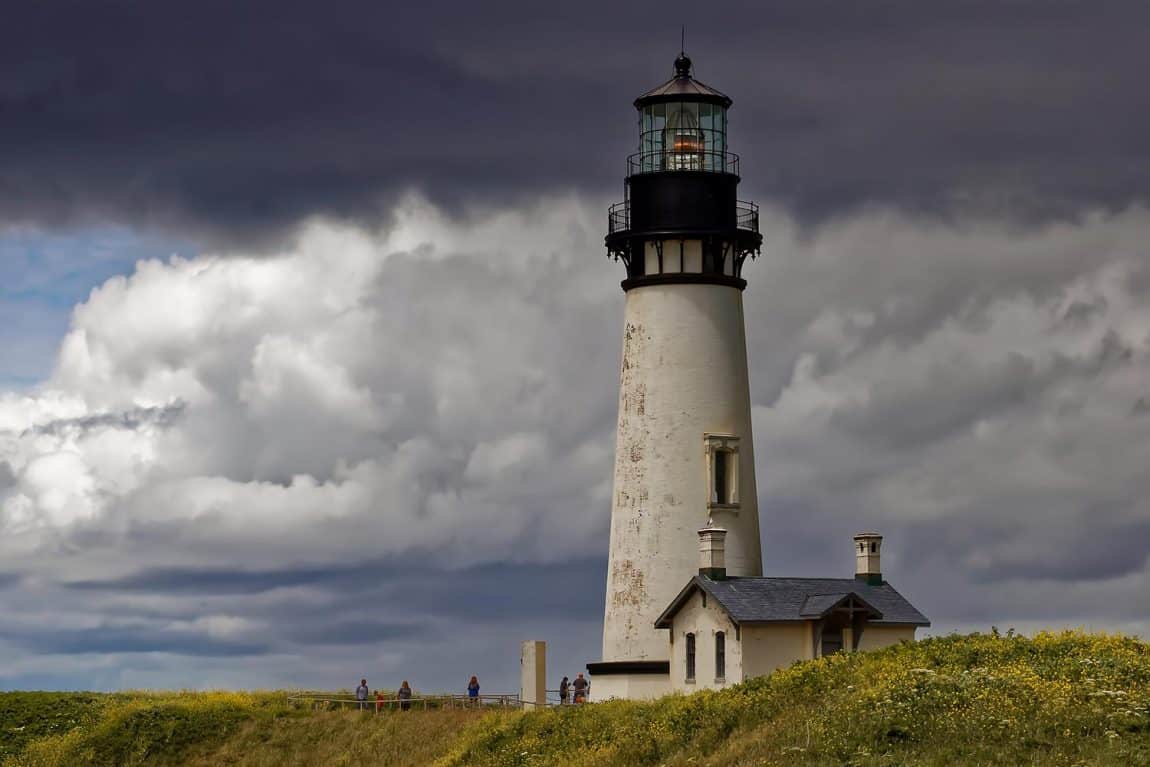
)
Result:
{"points": [[630, 679]]}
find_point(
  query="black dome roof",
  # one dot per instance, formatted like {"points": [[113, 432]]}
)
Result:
{"points": [[683, 87]]}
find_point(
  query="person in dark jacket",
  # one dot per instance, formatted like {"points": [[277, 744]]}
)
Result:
{"points": [[473, 690], [564, 691], [580, 684], [361, 695], [404, 696]]}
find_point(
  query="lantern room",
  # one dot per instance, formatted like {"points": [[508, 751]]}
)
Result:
{"points": [[682, 124], [681, 220]]}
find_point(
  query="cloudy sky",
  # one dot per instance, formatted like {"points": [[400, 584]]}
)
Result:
{"points": [[309, 343]]}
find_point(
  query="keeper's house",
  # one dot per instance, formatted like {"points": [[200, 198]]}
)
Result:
{"points": [[724, 630]]}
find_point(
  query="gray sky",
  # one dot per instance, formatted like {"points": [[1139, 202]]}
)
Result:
{"points": [[362, 422]]}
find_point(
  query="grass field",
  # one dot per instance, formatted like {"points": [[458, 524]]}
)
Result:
{"points": [[1055, 699]]}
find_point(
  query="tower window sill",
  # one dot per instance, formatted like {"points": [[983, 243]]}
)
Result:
{"points": [[714, 506]]}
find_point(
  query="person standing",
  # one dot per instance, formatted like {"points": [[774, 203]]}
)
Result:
{"points": [[378, 701], [361, 695], [580, 685], [473, 691], [404, 696], [564, 691]]}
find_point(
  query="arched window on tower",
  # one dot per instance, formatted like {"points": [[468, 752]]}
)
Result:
{"points": [[720, 656], [690, 647], [722, 451]]}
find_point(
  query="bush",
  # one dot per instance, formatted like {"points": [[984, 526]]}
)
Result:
{"points": [[146, 728]]}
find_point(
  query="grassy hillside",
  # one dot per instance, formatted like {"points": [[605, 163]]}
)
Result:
{"points": [[252, 730], [127, 728], [1058, 699], [1065, 699]]}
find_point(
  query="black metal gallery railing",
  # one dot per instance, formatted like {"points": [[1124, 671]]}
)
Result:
{"points": [[619, 216], [747, 216], [662, 160]]}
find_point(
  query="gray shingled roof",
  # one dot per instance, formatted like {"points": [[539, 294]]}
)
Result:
{"points": [[818, 605], [760, 600]]}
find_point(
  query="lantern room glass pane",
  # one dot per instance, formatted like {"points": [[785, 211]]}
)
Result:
{"points": [[683, 135], [682, 139]]}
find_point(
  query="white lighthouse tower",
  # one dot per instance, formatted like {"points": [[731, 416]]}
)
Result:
{"points": [[683, 455]]}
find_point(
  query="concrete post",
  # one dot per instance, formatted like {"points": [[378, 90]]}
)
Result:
{"points": [[533, 675]]}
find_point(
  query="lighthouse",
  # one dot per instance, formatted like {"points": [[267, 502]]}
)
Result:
{"points": [[684, 457]]}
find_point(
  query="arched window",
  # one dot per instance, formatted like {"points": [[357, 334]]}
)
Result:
{"points": [[690, 657], [722, 467], [720, 656]]}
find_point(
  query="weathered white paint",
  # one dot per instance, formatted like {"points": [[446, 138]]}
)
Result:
{"points": [[771, 646], [651, 259], [684, 375], [704, 623], [877, 637], [629, 687], [533, 674]]}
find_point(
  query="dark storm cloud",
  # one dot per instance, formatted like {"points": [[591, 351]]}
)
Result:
{"points": [[236, 119], [127, 639], [162, 416], [344, 615], [214, 582], [489, 592], [7, 476], [351, 632]]}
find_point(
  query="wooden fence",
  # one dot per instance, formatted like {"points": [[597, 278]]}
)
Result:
{"points": [[335, 702]]}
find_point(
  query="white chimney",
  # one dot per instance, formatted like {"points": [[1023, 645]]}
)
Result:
{"points": [[712, 552], [868, 550]]}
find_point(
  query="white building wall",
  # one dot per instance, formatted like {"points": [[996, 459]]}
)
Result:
{"points": [[704, 623], [629, 687], [772, 646], [684, 374], [877, 637]]}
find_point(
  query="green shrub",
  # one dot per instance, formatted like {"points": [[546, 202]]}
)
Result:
{"points": [[146, 728], [29, 716]]}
